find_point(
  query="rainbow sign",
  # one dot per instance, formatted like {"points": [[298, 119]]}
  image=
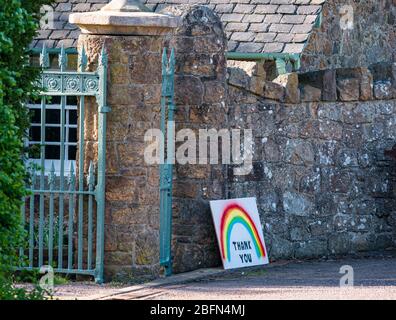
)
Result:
{"points": [[239, 232]]}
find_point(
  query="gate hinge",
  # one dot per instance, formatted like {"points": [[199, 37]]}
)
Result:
{"points": [[105, 109]]}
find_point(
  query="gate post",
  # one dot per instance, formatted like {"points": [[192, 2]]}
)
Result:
{"points": [[133, 40]]}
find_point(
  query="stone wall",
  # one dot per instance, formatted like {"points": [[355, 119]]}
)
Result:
{"points": [[323, 184], [200, 93], [371, 40]]}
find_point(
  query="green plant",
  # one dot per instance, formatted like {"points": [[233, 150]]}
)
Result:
{"points": [[19, 21], [60, 280], [33, 277], [46, 234], [8, 291]]}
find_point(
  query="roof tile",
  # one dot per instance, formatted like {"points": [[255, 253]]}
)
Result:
{"points": [[259, 27], [250, 25], [250, 47], [265, 37], [255, 18], [287, 8], [266, 8], [309, 9], [237, 26], [272, 18], [293, 18], [274, 47], [293, 47], [244, 8], [280, 28], [243, 36], [232, 17]]}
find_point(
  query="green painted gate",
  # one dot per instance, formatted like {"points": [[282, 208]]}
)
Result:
{"points": [[64, 213], [167, 157]]}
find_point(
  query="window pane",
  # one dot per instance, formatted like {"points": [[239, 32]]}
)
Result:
{"points": [[73, 117], [54, 64], [72, 134], [72, 100], [35, 115], [55, 100], [52, 134], [52, 152], [72, 152], [34, 134], [34, 151], [52, 116]]}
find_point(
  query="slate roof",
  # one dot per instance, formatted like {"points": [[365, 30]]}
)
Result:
{"points": [[252, 26]]}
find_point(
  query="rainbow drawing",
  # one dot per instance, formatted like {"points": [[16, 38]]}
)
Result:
{"points": [[232, 215]]}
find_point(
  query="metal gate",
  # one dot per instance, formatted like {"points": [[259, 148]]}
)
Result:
{"points": [[167, 159], [64, 213]]}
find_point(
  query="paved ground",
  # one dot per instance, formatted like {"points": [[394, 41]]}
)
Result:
{"points": [[373, 279]]}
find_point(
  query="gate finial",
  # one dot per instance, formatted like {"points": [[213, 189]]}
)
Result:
{"points": [[82, 60], [44, 58], [103, 57], [63, 59]]}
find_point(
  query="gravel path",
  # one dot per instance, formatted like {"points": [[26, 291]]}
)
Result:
{"points": [[374, 278]]}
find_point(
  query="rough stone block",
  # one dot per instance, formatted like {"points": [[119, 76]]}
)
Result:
{"points": [[366, 85], [348, 89], [274, 91], [290, 82], [383, 90], [329, 86], [299, 152], [310, 93], [188, 90]]}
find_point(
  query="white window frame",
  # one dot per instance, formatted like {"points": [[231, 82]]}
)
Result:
{"points": [[57, 163]]}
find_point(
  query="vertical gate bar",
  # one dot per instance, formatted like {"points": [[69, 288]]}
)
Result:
{"points": [[31, 220], [42, 177], [166, 169], [82, 64], [51, 182], [81, 183], [23, 218], [61, 183], [100, 189], [91, 182], [170, 157], [163, 186], [72, 182], [62, 64]]}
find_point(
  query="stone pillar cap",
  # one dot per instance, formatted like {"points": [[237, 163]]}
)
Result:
{"points": [[124, 17], [125, 6]]}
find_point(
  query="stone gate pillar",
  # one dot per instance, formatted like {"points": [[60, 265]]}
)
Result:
{"points": [[134, 40]]}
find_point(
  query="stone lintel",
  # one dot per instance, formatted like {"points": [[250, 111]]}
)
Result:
{"points": [[124, 23]]}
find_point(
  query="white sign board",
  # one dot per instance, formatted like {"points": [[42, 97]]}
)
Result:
{"points": [[239, 233]]}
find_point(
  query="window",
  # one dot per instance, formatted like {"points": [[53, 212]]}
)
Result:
{"points": [[53, 133]]}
